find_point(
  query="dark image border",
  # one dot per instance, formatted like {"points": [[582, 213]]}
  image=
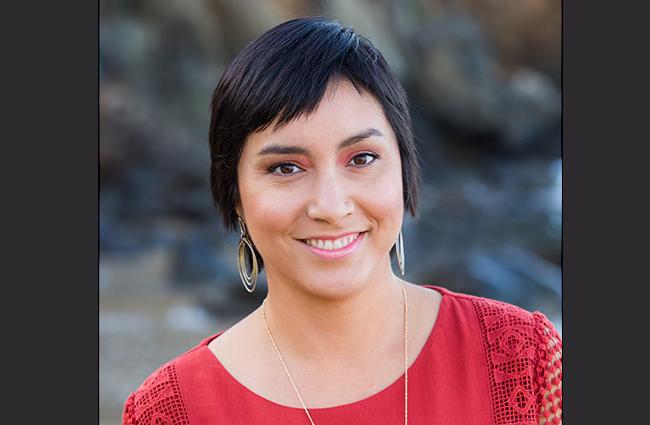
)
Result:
{"points": [[51, 213]]}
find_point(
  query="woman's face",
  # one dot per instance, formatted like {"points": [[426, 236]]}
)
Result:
{"points": [[336, 172]]}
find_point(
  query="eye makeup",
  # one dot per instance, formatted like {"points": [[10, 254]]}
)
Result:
{"points": [[374, 156]]}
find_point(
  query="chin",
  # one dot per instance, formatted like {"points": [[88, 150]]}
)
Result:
{"points": [[334, 288]]}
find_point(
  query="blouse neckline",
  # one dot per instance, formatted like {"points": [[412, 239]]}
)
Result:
{"points": [[428, 346]]}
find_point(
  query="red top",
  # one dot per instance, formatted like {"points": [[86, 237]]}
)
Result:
{"points": [[484, 362]]}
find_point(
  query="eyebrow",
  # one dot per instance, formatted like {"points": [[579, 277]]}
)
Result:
{"points": [[299, 150]]}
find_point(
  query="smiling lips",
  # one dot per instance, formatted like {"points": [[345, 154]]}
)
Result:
{"points": [[332, 244], [334, 248]]}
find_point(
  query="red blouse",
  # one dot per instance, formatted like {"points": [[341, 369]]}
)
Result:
{"points": [[484, 362]]}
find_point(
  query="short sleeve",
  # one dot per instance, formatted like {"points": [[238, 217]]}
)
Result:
{"points": [[548, 371], [523, 353], [128, 417], [157, 401]]}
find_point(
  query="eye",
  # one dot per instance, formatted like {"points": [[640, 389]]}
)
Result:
{"points": [[362, 160], [284, 169]]}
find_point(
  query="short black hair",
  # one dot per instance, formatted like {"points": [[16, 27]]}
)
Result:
{"points": [[282, 75]]}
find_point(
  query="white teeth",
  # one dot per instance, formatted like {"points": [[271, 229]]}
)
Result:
{"points": [[332, 245]]}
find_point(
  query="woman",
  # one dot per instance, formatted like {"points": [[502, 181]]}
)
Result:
{"points": [[313, 160]]}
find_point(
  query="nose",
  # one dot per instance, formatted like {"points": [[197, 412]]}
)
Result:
{"points": [[331, 199]]}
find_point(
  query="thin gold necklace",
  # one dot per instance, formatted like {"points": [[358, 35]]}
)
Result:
{"points": [[406, 376]]}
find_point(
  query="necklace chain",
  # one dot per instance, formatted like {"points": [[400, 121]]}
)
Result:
{"points": [[406, 377]]}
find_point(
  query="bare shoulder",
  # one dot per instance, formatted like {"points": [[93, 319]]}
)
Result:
{"points": [[424, 306], [242, 352], [425, 301], [233, 343], [422, 291]]}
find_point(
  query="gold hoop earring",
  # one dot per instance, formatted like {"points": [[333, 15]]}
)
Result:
{"points": [[248, 279], [399, 250]]}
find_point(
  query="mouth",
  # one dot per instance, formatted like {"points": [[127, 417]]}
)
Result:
{"points": [[334, 249]]}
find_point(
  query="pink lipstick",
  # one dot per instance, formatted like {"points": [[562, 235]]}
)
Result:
{"points": [[333, 254]]}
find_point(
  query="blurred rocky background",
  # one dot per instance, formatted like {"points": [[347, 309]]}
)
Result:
{"points": [[483, 77]]}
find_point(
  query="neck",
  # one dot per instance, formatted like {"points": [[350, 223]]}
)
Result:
{"points": [[369, 320]]}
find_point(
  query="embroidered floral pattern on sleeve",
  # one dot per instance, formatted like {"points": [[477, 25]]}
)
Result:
{"points": [[549, 371], [520, 360], [158, 401]]}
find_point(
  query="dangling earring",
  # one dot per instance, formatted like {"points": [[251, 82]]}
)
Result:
{"points": [[249, 280], [399, 250]]}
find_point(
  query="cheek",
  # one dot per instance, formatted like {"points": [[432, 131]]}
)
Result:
{"points": [[382, 199], [269, 213]]}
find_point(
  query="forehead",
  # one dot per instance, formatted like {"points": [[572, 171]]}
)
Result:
{"points": [[342, 112]]}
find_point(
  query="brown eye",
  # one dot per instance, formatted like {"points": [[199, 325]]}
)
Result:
{"points": [[363, 159], [285, 169]]}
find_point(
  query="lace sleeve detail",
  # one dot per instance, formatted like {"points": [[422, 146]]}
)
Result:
{"points": [[549, 371], [127, 413], [157, 401], [520, 350]]}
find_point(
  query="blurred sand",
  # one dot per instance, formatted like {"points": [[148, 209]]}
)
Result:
{"points": [[143, 323]]}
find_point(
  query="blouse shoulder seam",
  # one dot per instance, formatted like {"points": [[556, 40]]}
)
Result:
{"points": [[159, 395], [492, 302], [510, 349]]}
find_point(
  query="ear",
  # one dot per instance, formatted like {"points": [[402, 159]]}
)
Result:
{"points": [[239, 210]]}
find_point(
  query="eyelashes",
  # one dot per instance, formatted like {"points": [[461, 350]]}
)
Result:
{"points": [[285, 165], [366, 154], [288, 165]]}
